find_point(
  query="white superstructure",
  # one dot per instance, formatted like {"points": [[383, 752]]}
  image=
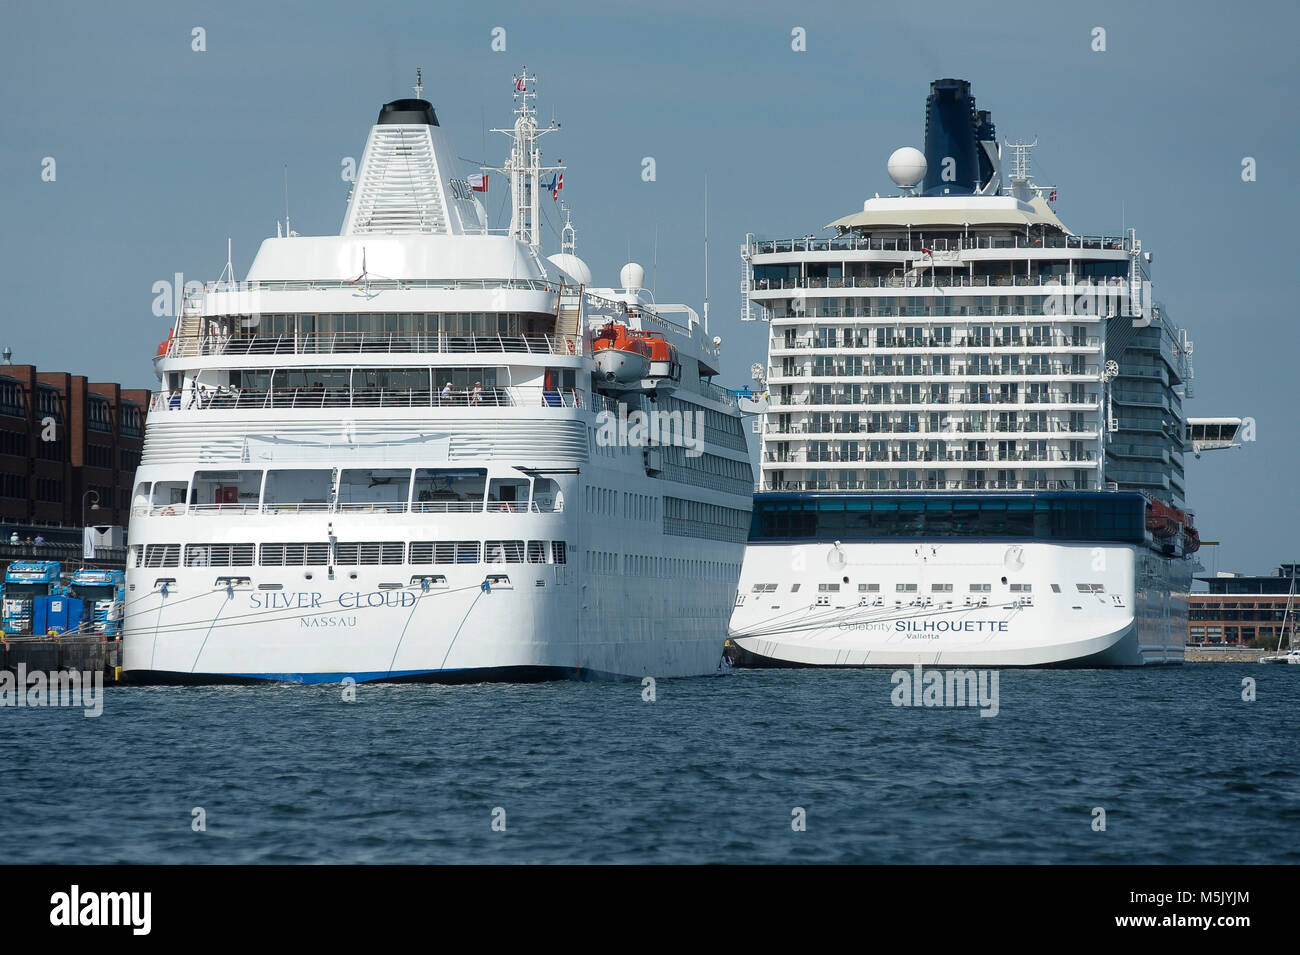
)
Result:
{"points": [[388, 454], [974, 436]]}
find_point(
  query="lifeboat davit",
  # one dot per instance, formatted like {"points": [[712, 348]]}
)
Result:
{"points": [[622, 356]]}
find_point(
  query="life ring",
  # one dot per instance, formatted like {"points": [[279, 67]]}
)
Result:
{"points": [[571, 348]]}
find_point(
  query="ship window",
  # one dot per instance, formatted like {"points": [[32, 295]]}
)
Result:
{"points": [[443, 490], [1022, 588], [794, 588], [547, 496], [141, 496], [229, 489], [981, 588], [444, 552], [1091, 588], [370, 553], [218, 555], [162, 555], [537, 552], [828, 588], [905, 588], [559, 552], [941, 588], [1056, 588], [169, 493], [295, 555], [373, 489], [869, 588], [503, 552], [299, 489], [508, 495]]}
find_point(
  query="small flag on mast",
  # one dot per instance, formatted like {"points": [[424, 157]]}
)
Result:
{"points": [[479, 183], [1052, 196], [557, 184], [519, 85]]}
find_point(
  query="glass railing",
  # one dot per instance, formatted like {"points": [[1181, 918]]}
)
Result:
{"points": [[374, 343]]}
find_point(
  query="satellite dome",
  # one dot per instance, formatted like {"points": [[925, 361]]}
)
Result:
{"points": [[571, 265], [632, 277], [907, 167]]}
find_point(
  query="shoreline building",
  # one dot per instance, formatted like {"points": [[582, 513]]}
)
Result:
{"points": [[1239, 609], [69, 448]]}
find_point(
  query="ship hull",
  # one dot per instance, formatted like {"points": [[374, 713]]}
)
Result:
{"points": [[927, 612]]}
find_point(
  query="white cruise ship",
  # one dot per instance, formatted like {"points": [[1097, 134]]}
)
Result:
{"points": [[421, 450], [974, 437]]}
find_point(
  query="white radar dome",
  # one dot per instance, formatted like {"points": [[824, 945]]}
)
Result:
{"points": [[907, 166], [631, 277], [573, 266]]}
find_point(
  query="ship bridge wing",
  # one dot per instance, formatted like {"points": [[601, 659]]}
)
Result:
{"points": [[1213, 434]]}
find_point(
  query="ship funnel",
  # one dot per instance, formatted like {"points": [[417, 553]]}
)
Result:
{"points": [[951, 151]]}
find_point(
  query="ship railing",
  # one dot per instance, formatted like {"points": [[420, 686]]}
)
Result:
{"points": [[299, 285], [958, 370], [854, 242], [343, 343], [246, 399], [946, 485], [929, 278], [1055, 341], [900, 457], [953, 427], [354, 507]]}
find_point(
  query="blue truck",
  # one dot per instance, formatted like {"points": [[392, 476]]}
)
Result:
{"points": [[104, 594], [25, 581]]}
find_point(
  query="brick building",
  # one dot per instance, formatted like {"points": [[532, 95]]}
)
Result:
{"points": [[66, 442], [1243, 610]]}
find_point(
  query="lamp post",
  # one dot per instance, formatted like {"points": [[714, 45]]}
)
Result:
{"points": [[94, 505], [88, 548]]}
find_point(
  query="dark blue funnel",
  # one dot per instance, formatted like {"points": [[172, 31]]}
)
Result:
{"points": [[951, 152]]}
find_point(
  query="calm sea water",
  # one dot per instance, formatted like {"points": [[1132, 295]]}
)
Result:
{"points": [[711, 771]]}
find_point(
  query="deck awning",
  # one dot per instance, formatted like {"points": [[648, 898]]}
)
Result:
{"points": [[921, 214]]}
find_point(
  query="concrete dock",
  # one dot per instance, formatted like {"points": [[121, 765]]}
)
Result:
{"points": [[87, 653]]}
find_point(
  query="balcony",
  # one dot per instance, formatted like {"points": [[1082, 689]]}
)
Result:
{"points": [[857, 243], [348, 343], [244, 399]]}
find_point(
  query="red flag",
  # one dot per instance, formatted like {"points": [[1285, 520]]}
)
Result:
{"points": [[1052, 196], [559, 184], [519, 84], [479, 183]]}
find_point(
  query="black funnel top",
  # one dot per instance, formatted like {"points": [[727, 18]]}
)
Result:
{"points": [[409, 112]]}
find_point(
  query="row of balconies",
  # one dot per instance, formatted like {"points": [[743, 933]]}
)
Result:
{"points": [[1051, 456]]}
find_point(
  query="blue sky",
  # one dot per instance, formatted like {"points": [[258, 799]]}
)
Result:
{"points": [[162, 152]]}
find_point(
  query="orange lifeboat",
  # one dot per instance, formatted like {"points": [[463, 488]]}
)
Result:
{"points": [[623, 356], [1165, 521], [165, 344], [665, 369]]}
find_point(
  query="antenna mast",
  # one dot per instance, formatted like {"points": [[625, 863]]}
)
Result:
{"points": [[706, 253], [524, 167], [568, 236], [419, 85]]}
